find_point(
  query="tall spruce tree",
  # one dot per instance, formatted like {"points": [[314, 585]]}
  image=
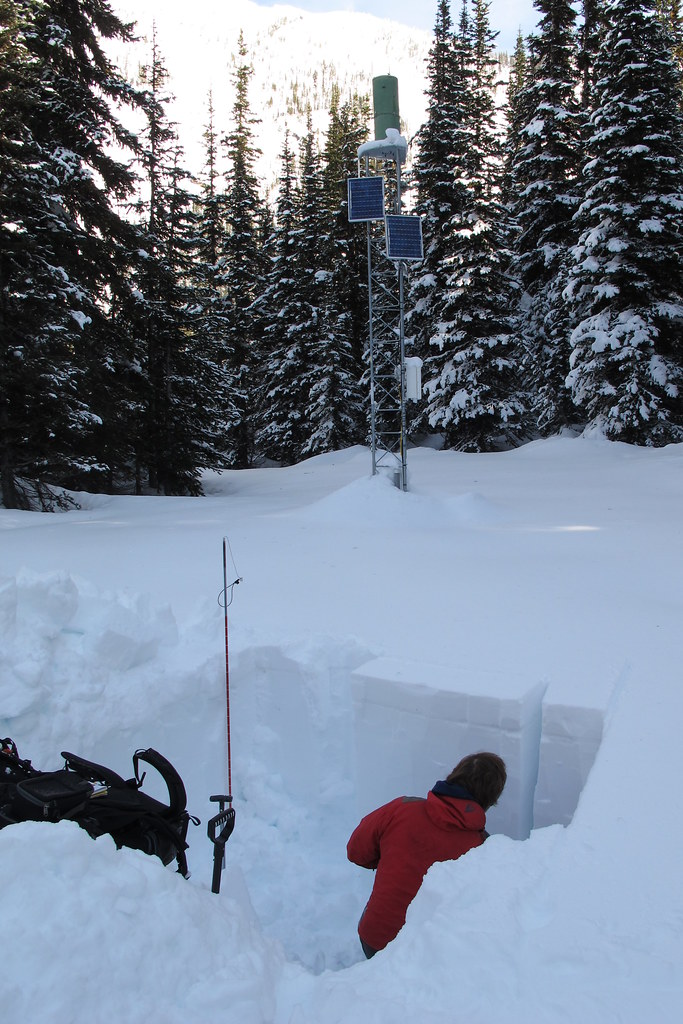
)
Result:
{"points": [[311, 275], [626, 276], [242, 266], [34, 297], [334, 412], [65, 249], [671, 16], [347, 131], [442, 190], [172, 444], [470, 380], [209, 317], [588, 48], [543, 176], [277, 311], [517, 117]]}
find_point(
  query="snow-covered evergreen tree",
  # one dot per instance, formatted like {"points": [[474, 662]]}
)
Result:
{"points": [[34, 299], [589, 44], [473, 394], [671, 16], [311, 274], [277, 310], [626, 276], [517, 117], [242, 266], [65, 249], [172, 435], [347, 131], [337, 400], [543, 178], [310, 396], [442, 190], [210, 323]]}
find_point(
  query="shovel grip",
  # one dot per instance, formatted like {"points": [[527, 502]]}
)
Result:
{"points": [[219, 829]]}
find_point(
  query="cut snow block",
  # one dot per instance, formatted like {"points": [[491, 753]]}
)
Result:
{"points": [[570, 738], [413, 721]]}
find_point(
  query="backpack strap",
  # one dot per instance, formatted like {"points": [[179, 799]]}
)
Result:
{"points": [[92, 772], [177, 797], [12, 767], [8, 746]]}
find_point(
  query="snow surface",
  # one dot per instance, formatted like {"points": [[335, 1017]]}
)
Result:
{"points": [[528, 602]]}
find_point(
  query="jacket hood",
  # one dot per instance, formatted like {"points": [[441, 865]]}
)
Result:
{"points": [[451, 807]]}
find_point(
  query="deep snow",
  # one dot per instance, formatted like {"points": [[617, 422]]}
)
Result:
{"points": [[529, 602]]}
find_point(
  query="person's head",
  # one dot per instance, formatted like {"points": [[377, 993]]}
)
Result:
{"points": [[483, 775]]}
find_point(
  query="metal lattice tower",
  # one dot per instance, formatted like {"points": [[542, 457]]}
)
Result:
{"points": [[387, 352], [392, 241]]}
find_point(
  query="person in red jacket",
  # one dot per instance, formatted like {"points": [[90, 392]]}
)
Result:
{"points": [[402, 839]]}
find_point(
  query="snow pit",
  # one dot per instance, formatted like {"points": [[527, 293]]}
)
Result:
{"points": [[379, 728], [413, 721], [322, 724]]}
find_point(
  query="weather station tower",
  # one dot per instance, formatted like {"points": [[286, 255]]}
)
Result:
{"points": [[394, 240]]}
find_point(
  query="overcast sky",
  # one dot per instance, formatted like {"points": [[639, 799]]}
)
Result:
{"points": [[507, 16]]}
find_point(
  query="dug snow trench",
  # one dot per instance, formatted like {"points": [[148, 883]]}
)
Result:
{"points": [[323, 731], [388, 726], [327, 734]]}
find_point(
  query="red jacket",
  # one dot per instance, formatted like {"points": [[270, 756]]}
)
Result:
{"points": [[402, 840]]}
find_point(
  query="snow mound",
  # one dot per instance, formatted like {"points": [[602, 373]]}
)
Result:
{"points": [[117, 930], [375, 501], [74, 659]]}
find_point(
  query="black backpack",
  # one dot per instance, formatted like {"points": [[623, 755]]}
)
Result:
{"points": [[100, 801]]}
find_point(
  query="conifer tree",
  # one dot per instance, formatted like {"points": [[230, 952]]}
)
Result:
{"points": [[311, 274], [517, 117], [170, 437], [442, 190], [242, 266], [543, 176], [473, 395], [588, 48], [671, 17], [209, 316], [276, 310], [348, 130], [65, 248], [34, 302], [211, 216], [335, 410], [337, 413], [626, 275]]}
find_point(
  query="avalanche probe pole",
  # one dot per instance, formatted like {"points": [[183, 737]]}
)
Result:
{"points": [[221, 825]]}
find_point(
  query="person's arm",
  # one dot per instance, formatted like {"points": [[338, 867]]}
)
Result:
{"points": [[363, 848]]}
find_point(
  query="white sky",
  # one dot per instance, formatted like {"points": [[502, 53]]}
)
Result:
{"points": [[507, 16]]}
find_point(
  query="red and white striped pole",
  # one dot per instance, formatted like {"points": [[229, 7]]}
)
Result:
{"points": [[221, 825]]}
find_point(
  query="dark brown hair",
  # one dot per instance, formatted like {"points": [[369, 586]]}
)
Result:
{"points": [[483, 775]]}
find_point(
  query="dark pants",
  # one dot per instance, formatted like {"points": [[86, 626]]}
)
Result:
{"points": [[368, 950]]}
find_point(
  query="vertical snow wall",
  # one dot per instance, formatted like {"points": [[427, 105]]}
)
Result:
{"points": [[386, 727]]}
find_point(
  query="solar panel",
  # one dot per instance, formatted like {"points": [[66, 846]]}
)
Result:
{"points": [[366, 198], [404, 237]]}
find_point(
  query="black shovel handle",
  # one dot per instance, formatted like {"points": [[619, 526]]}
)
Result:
{"points": [[219, 829]]}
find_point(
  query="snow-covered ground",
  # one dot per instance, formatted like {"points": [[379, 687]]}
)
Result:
{"points": [[527, 602]]}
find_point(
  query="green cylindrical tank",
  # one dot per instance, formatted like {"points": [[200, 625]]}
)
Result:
{"points": [[385, 105]]}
